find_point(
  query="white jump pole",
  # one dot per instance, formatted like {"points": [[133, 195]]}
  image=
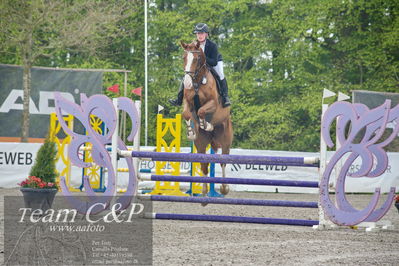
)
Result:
{"points": [[323, 222], [114, 147]]}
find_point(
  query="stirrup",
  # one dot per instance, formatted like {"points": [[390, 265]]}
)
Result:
{"points": [[174, 102]]}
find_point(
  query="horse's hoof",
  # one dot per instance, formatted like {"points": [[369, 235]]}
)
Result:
{"points": [[224, 189], [209, 127], [206, 125], [204, 194], [191, 135], [201, 123]]}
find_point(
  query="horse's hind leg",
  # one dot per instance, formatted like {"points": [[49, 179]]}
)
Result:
{"points": [[224, 188], [226, 143], [201, 143]]}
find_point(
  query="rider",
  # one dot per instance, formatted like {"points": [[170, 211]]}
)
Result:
{"points": [[213, 58]]}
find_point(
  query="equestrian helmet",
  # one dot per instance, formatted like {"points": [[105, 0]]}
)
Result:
{"points": [[201, 27]]}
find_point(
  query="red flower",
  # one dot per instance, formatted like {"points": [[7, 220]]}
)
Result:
{"points": [[36, 182]]}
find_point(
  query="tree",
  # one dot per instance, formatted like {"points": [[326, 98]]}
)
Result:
{"points": [[278, 55], [39, 28]]}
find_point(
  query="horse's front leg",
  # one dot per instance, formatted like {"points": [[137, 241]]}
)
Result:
{"points": [[208, 108], [190, 128]]}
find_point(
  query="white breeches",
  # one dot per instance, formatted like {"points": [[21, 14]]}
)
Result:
{"points": [[219, 69]]}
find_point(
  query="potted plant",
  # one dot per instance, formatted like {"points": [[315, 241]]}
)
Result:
{"points": [[39, 188], [396, 201]]}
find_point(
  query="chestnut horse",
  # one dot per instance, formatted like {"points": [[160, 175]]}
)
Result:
{"points": [[207, 121]]}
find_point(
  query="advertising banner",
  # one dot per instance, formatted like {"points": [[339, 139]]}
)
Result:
{"points": [[44, 82], [16, 159]]}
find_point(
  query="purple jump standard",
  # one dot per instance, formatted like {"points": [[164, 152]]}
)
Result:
{"points": [[234, 201], [233, 219], [224, 158]]}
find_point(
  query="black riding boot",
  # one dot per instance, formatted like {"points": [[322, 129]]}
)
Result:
{"points": [[180, 94], [224, 93]]}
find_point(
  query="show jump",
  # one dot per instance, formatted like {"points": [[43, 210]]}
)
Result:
{"points": [[351, 120]]}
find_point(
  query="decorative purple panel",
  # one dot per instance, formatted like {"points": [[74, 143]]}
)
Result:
{"points": [[103, 108], [374, 160]]}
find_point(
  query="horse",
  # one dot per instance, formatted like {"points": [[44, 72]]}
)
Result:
{"points": [[206, 119]]}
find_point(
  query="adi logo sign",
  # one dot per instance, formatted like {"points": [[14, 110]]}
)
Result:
{"points": [[45, 105], [44, 81]]}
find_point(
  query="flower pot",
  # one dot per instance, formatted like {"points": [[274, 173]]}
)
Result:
{"points": [[397, 205], [38, 198]]}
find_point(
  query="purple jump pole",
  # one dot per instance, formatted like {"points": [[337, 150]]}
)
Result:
{"points": [[234, 219], [224, 158], [229, 180], [212, 200]]}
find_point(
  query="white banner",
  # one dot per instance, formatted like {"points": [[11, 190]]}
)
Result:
{"points": [[16, 159], [274, 172]]}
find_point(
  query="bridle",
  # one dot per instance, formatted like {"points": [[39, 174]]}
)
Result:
{"points": [[194, 75]]}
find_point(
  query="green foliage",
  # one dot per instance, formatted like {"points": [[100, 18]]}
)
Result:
{"points": [[45, 162], [278, 56]]}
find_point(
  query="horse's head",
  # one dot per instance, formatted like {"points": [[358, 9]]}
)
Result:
{"points": [[194, 60]]}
